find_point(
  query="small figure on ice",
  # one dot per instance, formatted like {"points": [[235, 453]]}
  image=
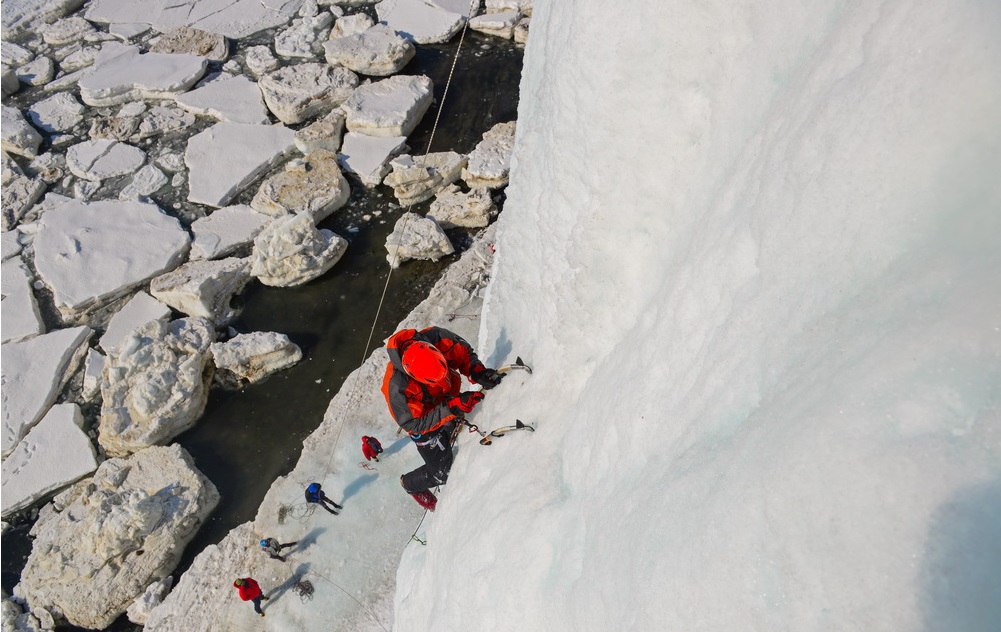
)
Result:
{"points": [[250, 591], [272, 547], [371, 448], [422, 389], [315, 495]]}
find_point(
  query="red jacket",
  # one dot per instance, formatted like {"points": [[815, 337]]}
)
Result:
{"points": [[370, 447], [249, 590], [419, 408]]}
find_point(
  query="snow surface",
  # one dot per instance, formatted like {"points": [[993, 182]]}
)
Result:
{"points": [[752, 252]]}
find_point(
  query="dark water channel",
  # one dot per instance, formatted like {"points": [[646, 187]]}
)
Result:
{"points": [[247, 438]]}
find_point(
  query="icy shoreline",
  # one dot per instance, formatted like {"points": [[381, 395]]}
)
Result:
{"points": [[357, 550]]}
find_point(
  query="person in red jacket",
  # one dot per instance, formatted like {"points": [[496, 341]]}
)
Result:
{"points": [[422, 388], [371, 448], [250, 591]]}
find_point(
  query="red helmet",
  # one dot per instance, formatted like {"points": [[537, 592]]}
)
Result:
{"points": [[424, 363]]}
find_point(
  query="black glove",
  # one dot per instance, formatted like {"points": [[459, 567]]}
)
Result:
{"points": [[487, 378], [464, 402]]}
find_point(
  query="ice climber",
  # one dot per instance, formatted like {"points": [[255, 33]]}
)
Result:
{"points": [[422, 387], [371, 448], [316, 496], [250, 591], [272, 547]]}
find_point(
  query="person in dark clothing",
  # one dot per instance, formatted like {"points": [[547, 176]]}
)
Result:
{"points": [[250, 591], [422, 387], [274, 549], [371, 448], [316, 496]]}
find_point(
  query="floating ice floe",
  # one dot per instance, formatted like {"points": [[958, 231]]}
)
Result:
{"points": [[93, 369], [66, 31], [8, 168], [9, 83], [521, 30], [185, 40], [300, 92], [490, 161], [249, 358], [390, 107], [419, 21], [498, 24], [324, 133], [367, 157], [122, 73], [379, 51], [305, 36], [80, 59], [462, 7], [140, 309], [127, 31], [29, 15], [49, 167], [499, 6], [351, 25], [233, 99], [162, 120], [17, 136], [10, 244], [59, 113], [226, 230], [34, 372], [17, 196], [171, 161], [227, 157], [454, 209], [157, 385], [21, 318], [54, 454], [102, 158], [313, 184], [37, 72], [417, 179], [260, 61], [11, 54], [203, 288], [91, 253], [144, 183], [292, 251], [120, 128], [233, 18], [416, 237], [153, 596], [105, 539]]}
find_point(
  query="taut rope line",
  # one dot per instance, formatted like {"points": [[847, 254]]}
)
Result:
{"points": [[473, 4]]}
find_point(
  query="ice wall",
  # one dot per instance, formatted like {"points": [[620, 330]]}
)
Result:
{"points": [[754, 252]]}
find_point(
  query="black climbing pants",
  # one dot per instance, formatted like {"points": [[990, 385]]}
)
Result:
{"points": [[436, 450], [323, 503]]}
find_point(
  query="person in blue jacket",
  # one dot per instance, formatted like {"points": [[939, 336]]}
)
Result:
{"points": [[315, 495]]}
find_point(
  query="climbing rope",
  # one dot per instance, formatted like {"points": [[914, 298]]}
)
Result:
{"points": [[473, 5], [455, 436], [305, 590]]}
